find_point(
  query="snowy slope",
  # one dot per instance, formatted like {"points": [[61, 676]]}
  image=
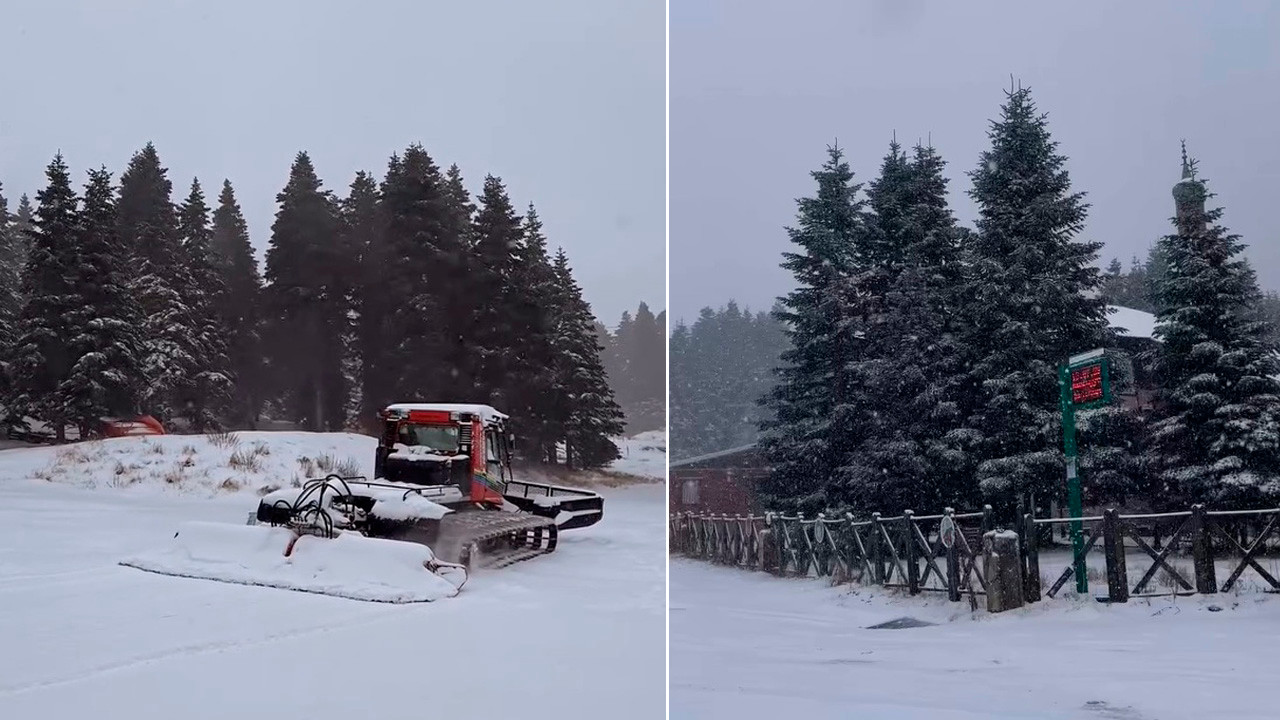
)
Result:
{"points": [[576, 634], [644, 455], [248, 461], [201, 464], [750, 645]]}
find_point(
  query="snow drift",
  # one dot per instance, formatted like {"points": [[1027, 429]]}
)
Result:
{"points": [[348, 566]]}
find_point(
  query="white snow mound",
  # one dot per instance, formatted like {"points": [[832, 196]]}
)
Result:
{"points": [[347, 566]]}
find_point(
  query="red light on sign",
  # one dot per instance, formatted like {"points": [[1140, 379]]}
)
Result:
{"points": [[1086, 384]]}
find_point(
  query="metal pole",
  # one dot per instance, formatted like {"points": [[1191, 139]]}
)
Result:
{"points": [[1075, 502]]}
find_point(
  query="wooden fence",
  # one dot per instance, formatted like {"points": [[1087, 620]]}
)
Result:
{"points": [[906, 551]]}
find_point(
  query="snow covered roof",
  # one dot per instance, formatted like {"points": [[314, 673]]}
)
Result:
{"points": [[1134, 323], [712, 456], [485, 412]]}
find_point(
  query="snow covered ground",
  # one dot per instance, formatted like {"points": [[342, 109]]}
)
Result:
{"points": [[579, 633], [748, 645], [216, 464], [644, 454]]}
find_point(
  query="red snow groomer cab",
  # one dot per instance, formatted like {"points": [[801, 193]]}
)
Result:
{"points": [[469, 447]]}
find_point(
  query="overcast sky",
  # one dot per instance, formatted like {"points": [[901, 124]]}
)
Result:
{"points": [[759, 91], [564, 100]]}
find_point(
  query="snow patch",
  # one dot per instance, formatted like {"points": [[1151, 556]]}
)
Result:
{"points": [[643, 455]]}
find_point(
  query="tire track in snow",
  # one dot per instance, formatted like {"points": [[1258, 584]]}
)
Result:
{"points": [[199, 649]]}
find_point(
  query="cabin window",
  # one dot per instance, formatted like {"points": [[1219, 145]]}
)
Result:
{"points": [[689, 492]]}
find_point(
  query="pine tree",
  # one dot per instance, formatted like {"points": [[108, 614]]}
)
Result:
{"points": [[362, 239], [427, 288], [591, 417], [41, 357], [1032, 300], [103, 341], [500, 317], [147, 225], [916, 456], [237, 305], [686, 429], [23, 222], [10, 267], [812, 382], [462, 210], [646, 364], [1218, 436], [534, 285], [863, 458], [306, 295], [207, 390]]}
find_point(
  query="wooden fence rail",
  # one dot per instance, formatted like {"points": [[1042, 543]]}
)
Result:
{"points": [[907, 551]]}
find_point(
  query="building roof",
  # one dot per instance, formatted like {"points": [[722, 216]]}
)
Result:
{"points": [[1133, 323], [718, 455]]}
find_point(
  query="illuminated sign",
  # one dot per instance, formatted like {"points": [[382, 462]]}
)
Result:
{"points": [[1087, 384]]}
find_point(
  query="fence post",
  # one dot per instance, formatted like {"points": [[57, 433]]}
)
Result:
{"points": [[1117, 572], [850, 561], [877, 577], [986, 520], [1031, 580], [1202, 552], [953, 562], [913, 567]]}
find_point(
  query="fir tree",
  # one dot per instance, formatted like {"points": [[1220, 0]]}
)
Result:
{"points": [[591, 417], [23, 222], [207, 388], [812, 382], [501, 318], [41, 357], [105, 377], [146, 224], [362, 239], [306, 295], [916, 456], [1032, 300], [430, 354], [237, 305], [10, 267], [462, 210], [1218, 436], [877, 258], [535, 291], [642, 382]]}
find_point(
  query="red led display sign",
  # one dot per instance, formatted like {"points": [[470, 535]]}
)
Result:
{"points": [[1086, 384]]}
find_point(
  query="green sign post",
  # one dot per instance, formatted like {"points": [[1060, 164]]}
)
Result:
{"points": [[1083, 383]]}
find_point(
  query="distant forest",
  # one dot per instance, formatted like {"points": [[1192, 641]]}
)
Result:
{"points": [[116, 300]]}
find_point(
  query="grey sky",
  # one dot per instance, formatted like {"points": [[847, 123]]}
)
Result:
{"points": [[564, 100], [759, 89]]}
